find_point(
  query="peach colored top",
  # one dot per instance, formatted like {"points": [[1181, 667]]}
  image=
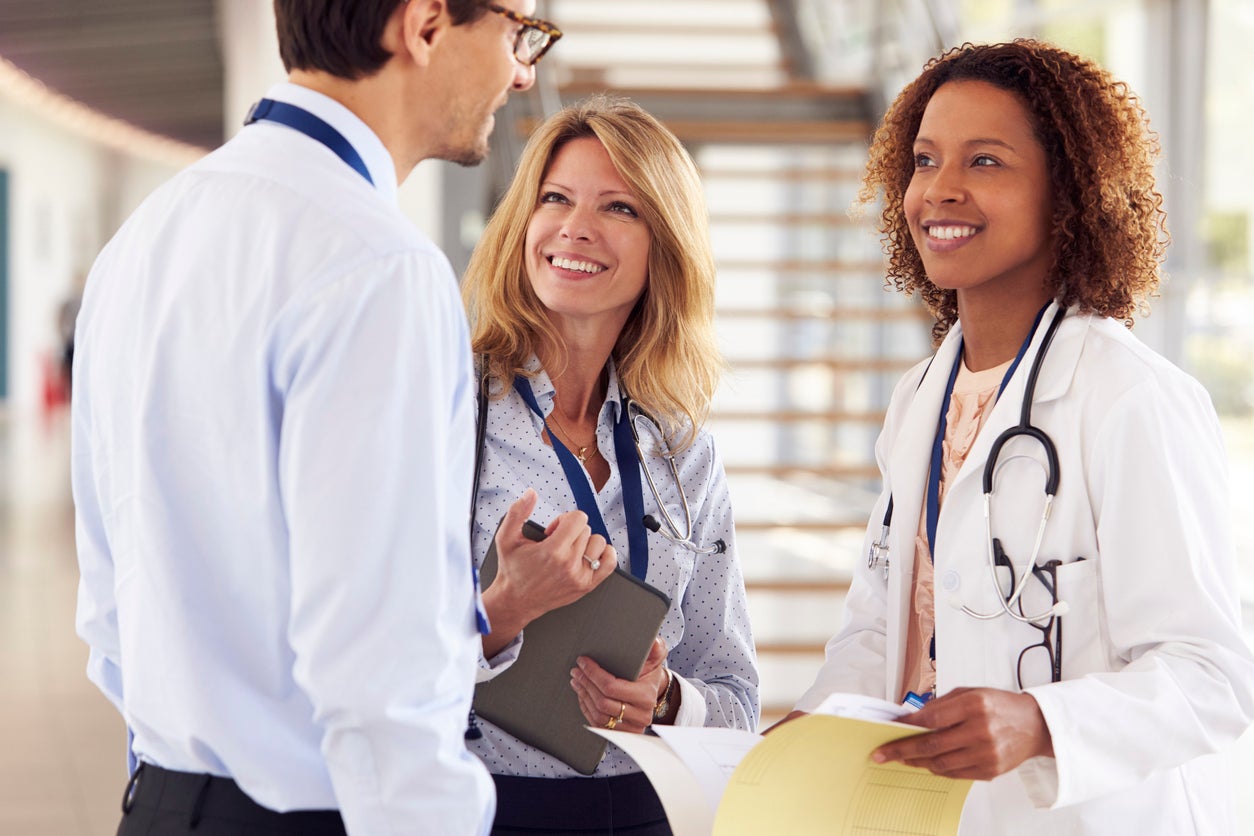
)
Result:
{"points": [[973, 398]]}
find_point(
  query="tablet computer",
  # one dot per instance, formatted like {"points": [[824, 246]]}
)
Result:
{"points": [[615, 624]]}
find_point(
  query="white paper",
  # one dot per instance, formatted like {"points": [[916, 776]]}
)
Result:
{"points": [[861, 707], [681, 794]]}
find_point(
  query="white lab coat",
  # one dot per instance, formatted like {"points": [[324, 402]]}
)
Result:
{"points": [[1156, 673]]}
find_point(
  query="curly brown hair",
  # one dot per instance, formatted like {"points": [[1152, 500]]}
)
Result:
{"points": [[1110, 229]]}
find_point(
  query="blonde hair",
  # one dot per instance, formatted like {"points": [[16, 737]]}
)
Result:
{"points": [[667, 356]]}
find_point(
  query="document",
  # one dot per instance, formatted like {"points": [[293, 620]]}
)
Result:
{"points": [[811, 776]]}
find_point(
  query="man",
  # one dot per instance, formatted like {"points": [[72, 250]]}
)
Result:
{"points": [[273, 443]]}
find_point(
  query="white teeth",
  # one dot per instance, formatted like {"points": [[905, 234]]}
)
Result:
{"points": [[579, 266], [948, 233]]}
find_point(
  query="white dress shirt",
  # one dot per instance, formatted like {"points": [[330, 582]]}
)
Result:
{"points": [[707, 627], [272, 454]]}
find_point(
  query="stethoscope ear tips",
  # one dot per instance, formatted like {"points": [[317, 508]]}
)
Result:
{"points": [[1060, 609]]}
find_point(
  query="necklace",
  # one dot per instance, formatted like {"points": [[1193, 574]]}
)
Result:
{"points": [[584, 451]]}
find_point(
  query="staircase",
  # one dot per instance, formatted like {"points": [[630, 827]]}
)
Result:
{"points": [[813, 340]]}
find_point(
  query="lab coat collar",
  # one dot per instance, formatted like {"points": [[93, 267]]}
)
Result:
{"points": [[364, 140], [1057, 371], [910, 459]]}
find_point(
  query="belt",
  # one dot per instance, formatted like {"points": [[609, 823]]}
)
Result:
{"points": [[202, 797]]}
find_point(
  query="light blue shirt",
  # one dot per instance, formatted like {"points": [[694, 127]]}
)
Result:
{"points": [[707, 627], [272, 454]]}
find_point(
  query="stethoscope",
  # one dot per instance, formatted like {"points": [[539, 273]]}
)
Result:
{"points": [[672, 531], [1011, 604], [626, 439]]}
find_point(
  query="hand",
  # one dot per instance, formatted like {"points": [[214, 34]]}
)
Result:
{"points": [[603, 697], [533, 578], [977, 733]]}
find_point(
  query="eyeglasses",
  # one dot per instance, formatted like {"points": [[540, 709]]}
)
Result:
{"points": [[534, 39], [1049, 648]]}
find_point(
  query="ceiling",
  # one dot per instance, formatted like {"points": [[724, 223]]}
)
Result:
{"points": [[154, 63]]}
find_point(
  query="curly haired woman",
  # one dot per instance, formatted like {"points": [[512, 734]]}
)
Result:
{"points": [[1019, 203]]}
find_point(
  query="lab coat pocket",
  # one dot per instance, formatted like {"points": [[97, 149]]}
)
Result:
{"points": [[1060, 641], [1083, 643]]}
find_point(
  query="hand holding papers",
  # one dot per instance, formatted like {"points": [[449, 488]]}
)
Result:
{"points": [[812, 775]]}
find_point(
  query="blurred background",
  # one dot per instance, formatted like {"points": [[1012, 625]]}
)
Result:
{"points": [[102, 100]]}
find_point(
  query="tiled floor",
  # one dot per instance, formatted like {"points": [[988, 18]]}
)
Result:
{"points": [[62, 746], [62, 765]]}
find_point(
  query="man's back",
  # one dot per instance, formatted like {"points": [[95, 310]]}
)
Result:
{"points": [[272, 455]]}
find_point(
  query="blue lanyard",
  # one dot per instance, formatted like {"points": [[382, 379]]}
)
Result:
{"points": [[933, 488], [581, 487], [299, 119]]}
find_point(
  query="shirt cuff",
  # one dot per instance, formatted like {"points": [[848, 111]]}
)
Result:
{"points": [[491, 669], [692, 710]]}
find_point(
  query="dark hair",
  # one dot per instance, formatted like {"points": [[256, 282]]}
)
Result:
{"points": [[1109, 227], [342, 37]]}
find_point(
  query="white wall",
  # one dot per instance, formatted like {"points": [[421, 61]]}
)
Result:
{"points": [[66, 196], [69, 193]]}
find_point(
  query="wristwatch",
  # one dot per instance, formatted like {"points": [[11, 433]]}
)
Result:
{"points": [[664, 703]]}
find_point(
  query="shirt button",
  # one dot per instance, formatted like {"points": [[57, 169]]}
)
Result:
{"points": [[951, 581]]}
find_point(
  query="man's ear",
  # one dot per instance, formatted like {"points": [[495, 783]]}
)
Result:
{"points": [[424, 23]]}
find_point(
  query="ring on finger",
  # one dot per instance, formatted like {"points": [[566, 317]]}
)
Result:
{"points": [[593, 562], [621, 712], [611, 723]]}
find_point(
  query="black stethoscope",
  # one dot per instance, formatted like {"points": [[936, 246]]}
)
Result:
{"points": [[878, 552]]}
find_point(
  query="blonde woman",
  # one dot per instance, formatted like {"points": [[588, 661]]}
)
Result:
{"points": [[591, 299]]}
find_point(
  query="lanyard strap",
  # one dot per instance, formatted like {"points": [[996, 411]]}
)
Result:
{"points": [[299, 119], [581, 487], [934, 476]]}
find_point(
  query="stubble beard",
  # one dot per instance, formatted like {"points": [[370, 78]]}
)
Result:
{"points": [[469, 155]]}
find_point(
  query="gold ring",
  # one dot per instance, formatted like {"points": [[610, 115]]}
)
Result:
{"points": [[621, 712], [611, 723]]}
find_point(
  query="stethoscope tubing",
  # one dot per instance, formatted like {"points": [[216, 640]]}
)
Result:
{"points": [[1052, 477], [667, 528]]}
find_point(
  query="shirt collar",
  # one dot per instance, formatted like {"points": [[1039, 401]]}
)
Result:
{"points": [[542, 387], [372, 150]]}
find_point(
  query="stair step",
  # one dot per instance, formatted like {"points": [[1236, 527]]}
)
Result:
{"points": [[785, 265], [824, 219], [784, 175], [875, 417], [801, 525], [910, 313], [795, 586], [783, 470], [835, 364]]}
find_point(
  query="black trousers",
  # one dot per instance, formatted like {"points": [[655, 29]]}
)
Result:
{"points": [[162, 802], [623, 805]]}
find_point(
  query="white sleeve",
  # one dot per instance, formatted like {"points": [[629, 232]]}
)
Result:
{"points": [[96, 619], [376, 435], [1167, 586]]}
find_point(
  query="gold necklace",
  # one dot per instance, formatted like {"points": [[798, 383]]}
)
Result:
{"points": [[583, 453]]}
